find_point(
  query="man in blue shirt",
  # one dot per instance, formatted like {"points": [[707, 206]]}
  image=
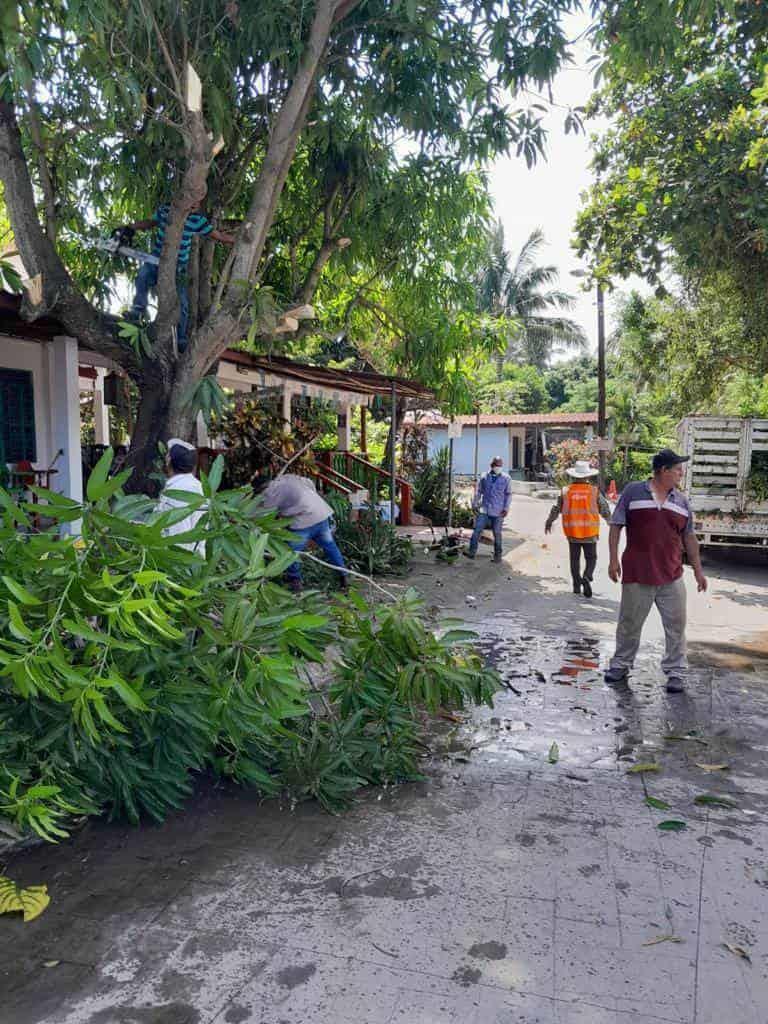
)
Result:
{"points": [[195, 224], [491, 505]]}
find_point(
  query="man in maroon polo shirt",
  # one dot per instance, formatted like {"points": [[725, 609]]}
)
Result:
{"points": [[659, 525]]}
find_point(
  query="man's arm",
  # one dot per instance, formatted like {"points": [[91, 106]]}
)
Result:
{"points": [[478, 501], [140, 225], [554, 512], [603, 507], [222, 236], [614, 565], [507, 496], [691, 545]]}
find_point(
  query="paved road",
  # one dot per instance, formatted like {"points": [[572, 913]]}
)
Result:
{"points": [[504, 889]]}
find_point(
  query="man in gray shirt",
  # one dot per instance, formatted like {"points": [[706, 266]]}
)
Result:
{"points": [[295, 498]]}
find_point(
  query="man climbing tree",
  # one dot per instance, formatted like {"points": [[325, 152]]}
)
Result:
{"points": [[195, 224], [147, 93]]}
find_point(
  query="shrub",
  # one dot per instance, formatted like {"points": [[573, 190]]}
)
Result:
{"points": [[430, 494], [128, 664], [565, 453]]}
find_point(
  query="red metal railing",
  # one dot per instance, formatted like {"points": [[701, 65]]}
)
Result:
{"points": [[366, 474]]}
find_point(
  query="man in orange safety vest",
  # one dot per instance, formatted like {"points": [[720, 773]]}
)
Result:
{"points": [[581, 504]]}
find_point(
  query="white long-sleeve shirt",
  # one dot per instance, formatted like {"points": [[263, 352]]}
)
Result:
{"points": [[182, 482]]}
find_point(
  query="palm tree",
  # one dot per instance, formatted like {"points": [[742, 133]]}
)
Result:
{"points": [[523, 291]]}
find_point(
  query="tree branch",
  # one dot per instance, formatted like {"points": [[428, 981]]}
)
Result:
{"points": [[59, 294]]}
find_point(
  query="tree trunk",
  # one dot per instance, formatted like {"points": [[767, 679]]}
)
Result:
{"points": [[164, 412]]}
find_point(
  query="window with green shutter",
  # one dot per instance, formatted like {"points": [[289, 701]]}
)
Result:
{"points": [[17, 416]]}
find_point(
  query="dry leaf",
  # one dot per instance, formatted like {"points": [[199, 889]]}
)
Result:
{"points": [[738, 951], [30, 902], [662, 938], [649, 767], [51, 963], [712, 767]]}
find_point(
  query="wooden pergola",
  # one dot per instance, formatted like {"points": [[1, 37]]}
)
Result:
{"points": [[342, 469]]}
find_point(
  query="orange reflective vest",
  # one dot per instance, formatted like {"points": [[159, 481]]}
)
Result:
{"points": [[581, 516]]}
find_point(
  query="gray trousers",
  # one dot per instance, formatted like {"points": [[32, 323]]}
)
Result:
{"points": [[637, 599]]}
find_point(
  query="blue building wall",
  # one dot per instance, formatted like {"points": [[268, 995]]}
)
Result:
{"points": [[493, 441]]}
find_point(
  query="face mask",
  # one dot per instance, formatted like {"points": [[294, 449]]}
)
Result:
{"points": [[495, 470]]}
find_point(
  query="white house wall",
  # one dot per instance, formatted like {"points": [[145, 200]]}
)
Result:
{"points": [[18, 354], [493, 441]]}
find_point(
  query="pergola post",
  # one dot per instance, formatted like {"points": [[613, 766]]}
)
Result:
{"points": [[392, 473], [65, 421], [363, 431], [100, 409], [344, 428], [287, 395]]}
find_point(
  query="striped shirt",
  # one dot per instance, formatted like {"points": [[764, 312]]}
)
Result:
{"points": [[655, 531], [195, 224]]}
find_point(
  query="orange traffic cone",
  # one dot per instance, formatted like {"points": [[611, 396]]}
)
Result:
{"points": [[612, 494]]}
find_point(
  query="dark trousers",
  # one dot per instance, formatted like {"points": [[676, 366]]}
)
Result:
{"points": [[589, 547], [147, 280]]}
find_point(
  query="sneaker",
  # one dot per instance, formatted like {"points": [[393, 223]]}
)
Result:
{"points": [[467, 553], [615, 675], [586, 587], [675, 684]]}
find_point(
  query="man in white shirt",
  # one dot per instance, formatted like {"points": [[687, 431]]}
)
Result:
{"points": [[296, 498], [180, 466]]}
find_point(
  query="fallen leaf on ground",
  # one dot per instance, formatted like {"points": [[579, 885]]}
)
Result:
{"points": [[30, 902], [738, 951], [672, 825], [710, 800], [712, 767], [650, 766], [554, 754], [660, 805], [51, 963], [688, 736], [662, 938]]}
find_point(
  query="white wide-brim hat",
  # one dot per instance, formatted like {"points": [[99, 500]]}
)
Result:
{"points": [[581, 469]]}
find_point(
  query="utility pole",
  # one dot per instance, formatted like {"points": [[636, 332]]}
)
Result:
{"points": [[602, 428]]}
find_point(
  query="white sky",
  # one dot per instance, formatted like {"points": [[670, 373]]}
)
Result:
{"points": [[548, 195]]}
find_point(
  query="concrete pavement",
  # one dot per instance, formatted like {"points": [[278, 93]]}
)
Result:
{"points": [[520, 883]]}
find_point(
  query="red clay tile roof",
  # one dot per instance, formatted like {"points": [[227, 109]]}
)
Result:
{"points": [[514, 419]]}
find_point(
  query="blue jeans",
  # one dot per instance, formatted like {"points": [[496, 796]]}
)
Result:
{"points": [[146, 280], [483, 522], [322, 535]]}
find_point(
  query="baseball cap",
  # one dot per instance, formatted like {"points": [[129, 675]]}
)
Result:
{"points": [[666, 458], [497, 461]]}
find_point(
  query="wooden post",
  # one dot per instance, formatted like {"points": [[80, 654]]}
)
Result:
{"points": [[477, 443], [449, 523], [287, 395], [392, 473], [363, 432]]}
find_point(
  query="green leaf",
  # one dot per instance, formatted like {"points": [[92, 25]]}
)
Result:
{"points": [[711, 800], [304, 621], [17, 625], [659, 805], [672, 825], [20, 593], [216, 473], [554, 753], [97, 481]]}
